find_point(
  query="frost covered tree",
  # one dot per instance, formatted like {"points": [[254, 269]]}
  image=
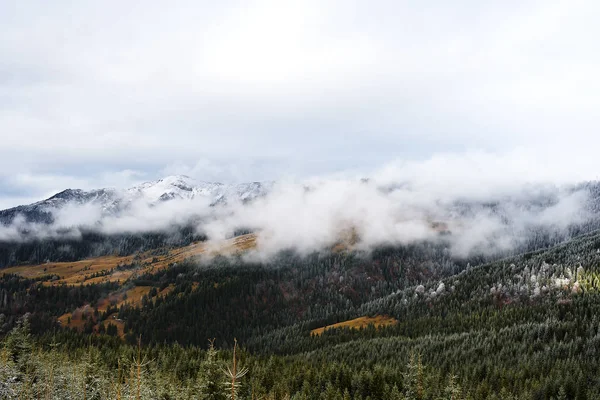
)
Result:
{"points": [[452, 390], [210, 376], [413, 378]]}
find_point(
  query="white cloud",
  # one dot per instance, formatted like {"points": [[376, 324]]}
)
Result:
{"points": [[400, 203], [265, 89]]}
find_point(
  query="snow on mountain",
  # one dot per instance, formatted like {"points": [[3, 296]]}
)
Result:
{"points": [[112, 201], [172, 187], [184, 187]]}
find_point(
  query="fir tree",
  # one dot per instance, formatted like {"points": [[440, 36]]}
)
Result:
{"points": [[210, 375]]}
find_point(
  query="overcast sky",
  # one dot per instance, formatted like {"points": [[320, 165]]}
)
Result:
{"points": [[109, 93]]}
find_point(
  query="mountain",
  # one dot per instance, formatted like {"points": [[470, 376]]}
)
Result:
{"points": [[400, 322], [184, 187], [112, 201], [530, 201]]}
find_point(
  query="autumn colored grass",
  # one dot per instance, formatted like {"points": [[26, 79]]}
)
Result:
{"points": [[83, 271], [76, 319], [358, 323], [104, 269]]}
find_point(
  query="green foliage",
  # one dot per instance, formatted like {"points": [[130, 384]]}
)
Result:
{"points": [[525, 327], [210, 376], [18, 342]]}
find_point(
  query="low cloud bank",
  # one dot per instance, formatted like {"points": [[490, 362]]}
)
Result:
{"points": [[452, 199]]}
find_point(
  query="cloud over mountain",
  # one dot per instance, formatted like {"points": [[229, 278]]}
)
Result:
{"points": [[316, 214]]}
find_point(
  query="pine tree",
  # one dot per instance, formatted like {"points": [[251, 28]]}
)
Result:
{"points": [[210, 375], [234, 375], [452, 390], [347, 395], [395, 394], [413, 378], [18, 342], [562, 394]]}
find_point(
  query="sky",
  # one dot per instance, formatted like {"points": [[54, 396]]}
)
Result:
{"points": [[111, 93]]}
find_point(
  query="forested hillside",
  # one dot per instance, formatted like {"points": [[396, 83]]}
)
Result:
{"points": [[525, 326]]}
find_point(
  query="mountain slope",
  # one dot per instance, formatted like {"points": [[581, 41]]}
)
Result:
{"points": [[112, 201], [526, 324]]}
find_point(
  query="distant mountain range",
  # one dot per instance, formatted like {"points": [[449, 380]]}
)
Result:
{"points": [[111, 201], [527, 219]]}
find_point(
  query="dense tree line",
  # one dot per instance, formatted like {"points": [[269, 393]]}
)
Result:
{"points": [[522, 327], [66, 365], [89, 243], [43, 303]]}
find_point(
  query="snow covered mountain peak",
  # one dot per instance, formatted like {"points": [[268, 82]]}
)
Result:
{"points": [[113, 201], [172, 187], [183, 182]]}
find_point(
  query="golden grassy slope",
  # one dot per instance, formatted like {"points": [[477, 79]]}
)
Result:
{"points": [[132, 297], [358, 323], [80, 272]]}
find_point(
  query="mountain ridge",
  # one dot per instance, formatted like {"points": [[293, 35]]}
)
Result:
{"points": [[113, 200]]}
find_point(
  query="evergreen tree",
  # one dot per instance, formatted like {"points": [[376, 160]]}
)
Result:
{"points": [[452, 390], [210, 376], [413, 378]]}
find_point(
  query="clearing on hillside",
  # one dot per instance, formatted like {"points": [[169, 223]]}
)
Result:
{"points": [[105, 268], [362, 322]]}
